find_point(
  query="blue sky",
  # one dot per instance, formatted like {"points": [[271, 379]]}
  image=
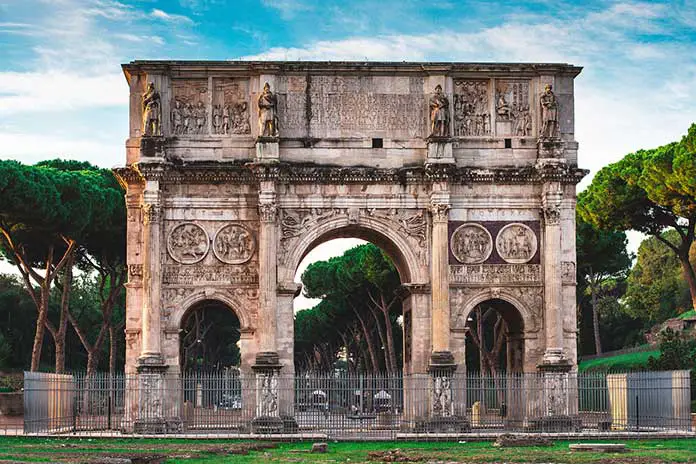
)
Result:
{"points": [[62, 92]]}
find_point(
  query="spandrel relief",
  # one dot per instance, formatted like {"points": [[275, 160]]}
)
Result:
{"points": [[188, 243], [230, 112], [471, 108], [516, 243], [189, 113], [471, 244], [512, 110], [234, 244]]}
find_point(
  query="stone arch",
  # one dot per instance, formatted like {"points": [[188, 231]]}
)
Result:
{"points": [[468, 303], [245, 321], [409, 257]]}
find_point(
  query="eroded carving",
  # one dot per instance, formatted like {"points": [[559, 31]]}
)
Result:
{"points": [[549, 113], [267, 387], [471, 112], [188, 111], [174, 296], [471, 244], [230, 107], [442, 396], [439, 114], [188, 243], [533, 299], [516, 243], [512, 108], [568, 273], [495, 273], [152, 111], [268, 115], [198, 274], [414, 224], [234, 244]]}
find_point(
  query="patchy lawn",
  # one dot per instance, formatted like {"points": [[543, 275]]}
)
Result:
{"points": [[76, 450]]}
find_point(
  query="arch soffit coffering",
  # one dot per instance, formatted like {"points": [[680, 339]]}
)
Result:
{"points": [[202, 295], [381, 232], [485, 294]]}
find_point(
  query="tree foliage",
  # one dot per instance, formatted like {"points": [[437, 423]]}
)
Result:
{"points": [[358, 312], [649, 191], [602, 261]]}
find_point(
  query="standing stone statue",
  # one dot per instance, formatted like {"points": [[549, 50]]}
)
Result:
{"points": [[439, 114], [549, 113], [151, 111], [268, 117], [177, 117]]}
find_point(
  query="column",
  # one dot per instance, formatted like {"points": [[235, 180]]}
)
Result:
{"points": [[439, 280], [553, 297]]}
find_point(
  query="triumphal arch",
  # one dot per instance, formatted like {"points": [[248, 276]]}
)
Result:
{"points": [[465, 174]]}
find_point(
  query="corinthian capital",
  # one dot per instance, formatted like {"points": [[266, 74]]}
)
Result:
{"points": [[552, 214], [151, 213], [268, 212], [440, 212]]}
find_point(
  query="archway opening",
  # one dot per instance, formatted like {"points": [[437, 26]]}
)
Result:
{"points": [[209, 339], [494, 341], [350, 319]]}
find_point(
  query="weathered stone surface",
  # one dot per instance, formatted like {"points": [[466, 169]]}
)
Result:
{"points": [[235, 170], [509, 440], [319, 448]]}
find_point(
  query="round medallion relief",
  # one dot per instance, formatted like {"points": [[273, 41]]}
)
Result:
{"points": [[516, 243], [188, 243], [471, 244], [234, 244]]}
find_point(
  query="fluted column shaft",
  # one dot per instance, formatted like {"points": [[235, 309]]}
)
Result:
{"points": [[150, 348]]}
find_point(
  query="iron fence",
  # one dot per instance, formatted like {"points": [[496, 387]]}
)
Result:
{"points": [[342, 406]]}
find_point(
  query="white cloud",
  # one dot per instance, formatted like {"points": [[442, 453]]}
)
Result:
{"points": [[41, 92], [287, 8], [169, 17], [31, 148]]}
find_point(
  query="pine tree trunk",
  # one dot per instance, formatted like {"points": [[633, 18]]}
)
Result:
{"points": [[40, 329], [59, 338], [595, 320], [390, 335], [689, 275]]}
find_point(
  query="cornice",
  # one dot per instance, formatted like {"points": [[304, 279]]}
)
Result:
{"points": [[292, 173]]}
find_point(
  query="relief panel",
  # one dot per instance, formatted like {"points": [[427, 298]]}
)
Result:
{"points": [[230, 112], [516, 243], [471, 244], [188, 243], [189, 111], [472, 117], [512, 110]]}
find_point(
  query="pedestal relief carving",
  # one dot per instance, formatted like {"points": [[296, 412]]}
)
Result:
{"points": [[188, 112], [188, 243], [230, 107], [568, 273], [471, 244], [516, 243], [234, 244], [512, 116], [471, 112], [495, 274]]}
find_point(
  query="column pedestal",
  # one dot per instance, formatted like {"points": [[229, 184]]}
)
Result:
{"points": [[158, 401], [557, 403], [444, 417], [269, 390]]}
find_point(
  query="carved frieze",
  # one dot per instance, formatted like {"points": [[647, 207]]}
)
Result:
{"points": [[471, 244], [533, 299], [189, 113], [472, 116], [199, 274], [234, 244], [230, 112], [516, 243], [344, 104], [495, 274], [188, 243], [413, 224], [174, 296], [512, 111]]}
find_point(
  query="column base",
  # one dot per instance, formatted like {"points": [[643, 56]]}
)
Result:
{"points": [[151, 363], [442, 361], [555, 360], [439, 424], [267, 419]]}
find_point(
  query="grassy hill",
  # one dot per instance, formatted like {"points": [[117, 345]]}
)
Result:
{"points": [[619, 363]]}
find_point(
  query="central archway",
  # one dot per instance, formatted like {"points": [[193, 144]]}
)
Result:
{"points": [[409, 257]]}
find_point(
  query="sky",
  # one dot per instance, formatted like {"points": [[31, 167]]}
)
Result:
{"points": [[62, 92]]}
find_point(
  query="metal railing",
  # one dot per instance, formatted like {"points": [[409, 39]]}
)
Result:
{"points": [[345, 406]]}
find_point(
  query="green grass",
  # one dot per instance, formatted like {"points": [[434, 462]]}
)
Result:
{"points": [[212, 451], [621, 362]]}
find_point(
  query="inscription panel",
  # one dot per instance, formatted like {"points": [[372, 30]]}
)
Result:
{"points": [[495, 274], [199, 274]]}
